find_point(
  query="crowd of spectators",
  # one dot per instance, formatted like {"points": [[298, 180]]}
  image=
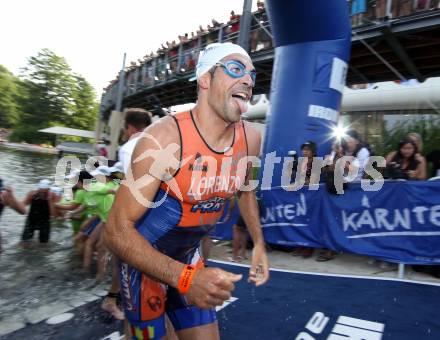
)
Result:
{"points": [[364, 11], [406, 162], [180, 56]]}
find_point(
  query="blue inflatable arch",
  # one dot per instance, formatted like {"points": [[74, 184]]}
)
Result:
{"points": [[312, 47]]}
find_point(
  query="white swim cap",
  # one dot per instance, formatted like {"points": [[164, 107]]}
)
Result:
{"points": [[213, 53], [101, 170], [44, 184]]}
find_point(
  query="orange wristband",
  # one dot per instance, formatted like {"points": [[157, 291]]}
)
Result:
{"points": [[186, 278]]}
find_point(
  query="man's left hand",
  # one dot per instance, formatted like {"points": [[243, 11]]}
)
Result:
{"points": [[259, 272]]}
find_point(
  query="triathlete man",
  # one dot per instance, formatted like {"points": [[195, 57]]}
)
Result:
{"points": [[158, 244]]}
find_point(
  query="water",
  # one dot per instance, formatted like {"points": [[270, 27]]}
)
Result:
{"points": [[44, 276], [22, 171]]}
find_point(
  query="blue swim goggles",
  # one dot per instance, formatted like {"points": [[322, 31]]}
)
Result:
{"points": [[236, 69]]}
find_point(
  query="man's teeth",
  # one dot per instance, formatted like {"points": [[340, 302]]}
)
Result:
{"points": [[241, 96]]}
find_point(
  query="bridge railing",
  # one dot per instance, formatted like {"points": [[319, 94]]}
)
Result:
{"points": [[179, 61]]}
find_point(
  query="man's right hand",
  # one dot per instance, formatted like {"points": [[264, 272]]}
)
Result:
{"points": [[7, 196], [211, 287]]}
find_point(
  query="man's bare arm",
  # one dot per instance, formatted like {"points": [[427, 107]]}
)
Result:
{"points": [[11, 201], [248, 205], [247, 201], [70, 206], [28, 199], [210, 286], [120, 234]]}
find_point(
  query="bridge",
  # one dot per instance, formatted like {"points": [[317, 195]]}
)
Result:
{"points": [[382, 49]]}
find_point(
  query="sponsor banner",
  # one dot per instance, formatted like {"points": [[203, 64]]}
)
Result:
{"points": [[398, 223], [223, 228]]}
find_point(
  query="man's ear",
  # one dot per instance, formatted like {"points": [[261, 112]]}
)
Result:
{"points": [[205, 81]]}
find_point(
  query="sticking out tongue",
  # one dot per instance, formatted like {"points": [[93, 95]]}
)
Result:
{"points": [[241, 104]]}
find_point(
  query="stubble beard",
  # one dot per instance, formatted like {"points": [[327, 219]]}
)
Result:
{"points": [[230, 113]]}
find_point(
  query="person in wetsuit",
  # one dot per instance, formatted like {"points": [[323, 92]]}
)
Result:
{"points": [[39, 214]]}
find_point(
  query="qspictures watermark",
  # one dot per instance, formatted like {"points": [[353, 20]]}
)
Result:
{"points": [[208, 177]]}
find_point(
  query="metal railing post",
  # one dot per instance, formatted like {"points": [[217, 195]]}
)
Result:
{"points": [[154, 71], [179, 58], [136, 79], [143, 74], [220, 34], [245, 25], [121, 86], [389, 12], [401, 271]]}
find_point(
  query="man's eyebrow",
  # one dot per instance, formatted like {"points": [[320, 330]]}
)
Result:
{"points": [[241, 63], [238, 61]]}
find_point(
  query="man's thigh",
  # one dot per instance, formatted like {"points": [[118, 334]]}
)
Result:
{"points": [[204, 332]]}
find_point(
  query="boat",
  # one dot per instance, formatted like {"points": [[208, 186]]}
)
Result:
{"points": [[30, 147]]}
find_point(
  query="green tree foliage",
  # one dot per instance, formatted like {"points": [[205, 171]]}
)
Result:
{"points": [[428, 128], [8, 96], [85, 106], [52, 95]]}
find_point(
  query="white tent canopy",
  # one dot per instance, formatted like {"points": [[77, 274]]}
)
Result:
{"points": [[61, 130]]}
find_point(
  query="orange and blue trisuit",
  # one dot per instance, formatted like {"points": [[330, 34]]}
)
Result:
{"points": [[206, 179]]}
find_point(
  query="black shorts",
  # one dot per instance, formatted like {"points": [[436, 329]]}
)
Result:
{"points": [[240, 223]]}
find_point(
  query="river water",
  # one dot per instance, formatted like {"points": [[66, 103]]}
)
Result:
{"points": [[37, 281]]}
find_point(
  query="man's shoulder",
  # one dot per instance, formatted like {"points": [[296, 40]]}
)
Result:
{"points": [[251, 129], [162, 132], [253, 137]]}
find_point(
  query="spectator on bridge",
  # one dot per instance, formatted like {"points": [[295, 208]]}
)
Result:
{"points": [[172, 57], [422, 5], [260, 37], [264, 38], [402, 8], [260, 6], [215, 24], [428, 5], [380, 9], [183, 38], [193, 41], [190, 62], [234, 22], [234, 17], [403, 163], [358, 10], [212, 35], [200, 31]]}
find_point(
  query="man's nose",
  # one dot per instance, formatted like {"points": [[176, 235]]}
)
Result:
{"points": [[247, 80]]}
